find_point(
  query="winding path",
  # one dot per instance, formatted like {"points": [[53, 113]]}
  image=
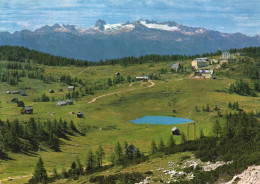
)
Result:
{"points": [[83, 70], [94, 99]]}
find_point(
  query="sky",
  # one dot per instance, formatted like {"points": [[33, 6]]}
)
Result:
{"points": [[229, 16]]}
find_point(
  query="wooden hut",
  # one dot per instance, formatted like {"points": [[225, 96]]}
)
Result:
{"points": [[61, 103], [27, 110], [22, 93], [175, 131], [51, 91], [14, 100], [80, 115], [71, 88], [69, 102]]}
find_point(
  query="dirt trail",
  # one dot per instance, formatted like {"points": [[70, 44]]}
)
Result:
{"points": [[15, 178], [83, 70], [94, 99]]}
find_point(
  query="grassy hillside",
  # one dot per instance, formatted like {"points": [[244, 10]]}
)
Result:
{"points": [[107, 119]]}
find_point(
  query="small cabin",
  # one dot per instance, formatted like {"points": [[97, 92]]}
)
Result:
{"points": [[142, 78], [175, 131], [80, 115], [71, 88], [51, 91], [117, 74], [14, 100], [61, 103], [200, 62], [69, 102], [22, 93], [60, 90], [8, 92], [27, 110]]}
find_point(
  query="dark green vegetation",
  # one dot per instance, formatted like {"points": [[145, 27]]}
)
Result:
{"points": [[31, 136], [40, 174], [24, 55], [238, 141]]}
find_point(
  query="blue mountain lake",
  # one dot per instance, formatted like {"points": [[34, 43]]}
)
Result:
{"points": [[161, 120]]}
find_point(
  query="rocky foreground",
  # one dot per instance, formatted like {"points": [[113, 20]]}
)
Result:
{"points": [[249, 176]]}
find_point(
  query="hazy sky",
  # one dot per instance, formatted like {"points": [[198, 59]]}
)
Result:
{"points": [[222, 15]]}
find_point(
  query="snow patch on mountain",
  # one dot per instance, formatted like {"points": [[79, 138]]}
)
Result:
{"points": [[159, 26], [116, 27], [200, 31]]}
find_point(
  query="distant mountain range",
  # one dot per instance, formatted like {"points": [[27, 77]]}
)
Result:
{"points": [[108, 41]]}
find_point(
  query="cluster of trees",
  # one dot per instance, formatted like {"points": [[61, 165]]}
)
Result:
{"points": [[11, 77], [152, 58], [256, 85], [129, 154], [76, 169], [21, 54], [17, 137], [12, 72], [72, 81], [234, 106], [43, 98], [38, 74], [207, 108], [239, 130], [17, 66], [253, 52], [242, 88], [93, 164], [168, 148], [238, 140], [116, 80], [74, 94]]}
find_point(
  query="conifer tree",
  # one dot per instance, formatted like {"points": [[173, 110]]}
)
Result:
{"points": [[40, 174], [216, 128], [207, 108], [161, 146], [183, 138], [55, 172], [100, 155], [229, 105], [171, 142], [118, 153], [73, 171], [153, 147], [90, 162], [202, 134], [79, 166], [196, 108]]}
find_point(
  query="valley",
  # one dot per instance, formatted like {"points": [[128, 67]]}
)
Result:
{"points": [[109, 101]]}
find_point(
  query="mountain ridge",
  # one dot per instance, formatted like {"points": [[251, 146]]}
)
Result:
{"points": [[108, 41]]}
